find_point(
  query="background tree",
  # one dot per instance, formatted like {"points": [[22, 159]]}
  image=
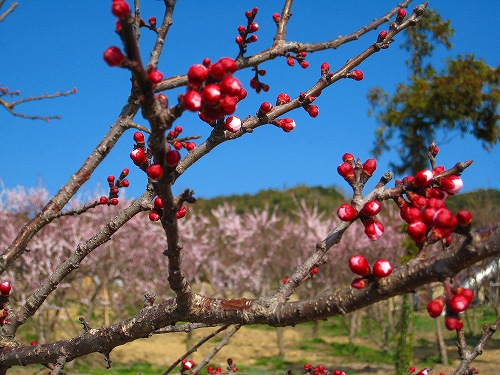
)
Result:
{"points": [[460, 99], [212, 90]]}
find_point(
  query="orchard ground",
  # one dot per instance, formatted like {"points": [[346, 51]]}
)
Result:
{"points": [[254, 349]]}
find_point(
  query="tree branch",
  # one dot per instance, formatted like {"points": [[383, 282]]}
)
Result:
{"points": [[265, 310]]}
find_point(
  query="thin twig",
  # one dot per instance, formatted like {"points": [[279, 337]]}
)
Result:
{"points": [[9, 106], [219, 346], [8, 11], [195, 348]]}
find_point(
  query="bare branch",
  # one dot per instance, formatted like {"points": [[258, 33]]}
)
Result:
{"points": [[9, 106], [8, 11]]}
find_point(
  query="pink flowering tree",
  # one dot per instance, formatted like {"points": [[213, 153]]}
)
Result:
{"points": [[58, 239]]}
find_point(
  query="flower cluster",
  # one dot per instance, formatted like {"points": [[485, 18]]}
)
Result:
{"points": [[255, 82], [246, 34], [299, 57], [320, 370], [114, 186], [176, 142], [454, 301], [5, 289], [374, 229], [423, 206], [358, 264], [212, 90], [424, 371]]}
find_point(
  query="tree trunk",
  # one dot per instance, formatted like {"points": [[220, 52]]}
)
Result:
{"points": [[404, 351], [281, 347], [315, 331], [443, 353]]}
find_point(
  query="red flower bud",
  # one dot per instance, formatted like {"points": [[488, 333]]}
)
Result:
{"points": [[382, 268], [464, 217], [401, 14], [211, 94], [154, 215], [114, 56], [444, 218], [189, 146], [423, 177], [435, 307], [172, 158], [265, 107], [197, 74], [139, 138], [230, 86], [282, 99], [410, 214], [313, 111], [458, 303], [154, 171], [287, 124], [417, 231], [138, 156], [359, 283], [359, 265], [120, 9], [253, 27], [155, 76], [371, 208], [347, 157], [181, 213], [369, 166], [373, 229], [346, 170], [451, 184], [5, 288], [233, 124], [452, 323], [357, 75], [158, 203], [192, 101], [346, 212], [381, 36], [228, 104], [325, 68]]}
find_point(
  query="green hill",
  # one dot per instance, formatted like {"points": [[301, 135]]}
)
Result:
{"points": [[484, 203], [326, 198]]}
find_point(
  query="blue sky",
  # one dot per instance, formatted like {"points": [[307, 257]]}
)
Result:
{"points": [[54, 46]]}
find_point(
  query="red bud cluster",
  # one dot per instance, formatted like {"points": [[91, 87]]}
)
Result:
{"points": [[178, 144], [455, 301], [358, 264], [114, 186], [283, 99], [246, 34], [187, 365], [286, 124], [212, 89], [299, 57], [425, 209]]}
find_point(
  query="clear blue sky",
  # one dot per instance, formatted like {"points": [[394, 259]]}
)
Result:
{"points": [[50, 46]]}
